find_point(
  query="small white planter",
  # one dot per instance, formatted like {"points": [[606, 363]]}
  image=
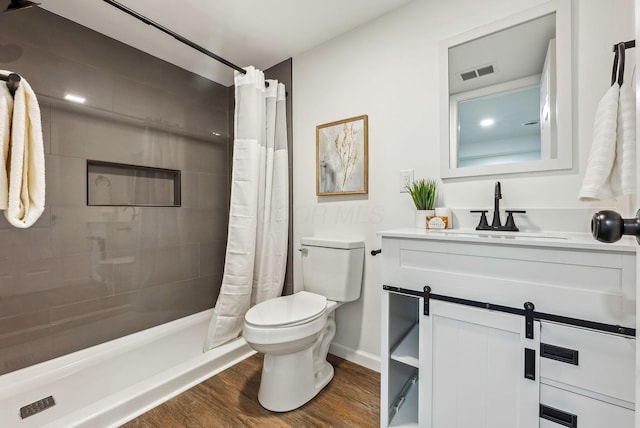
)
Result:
{"points": [[421, 218]]}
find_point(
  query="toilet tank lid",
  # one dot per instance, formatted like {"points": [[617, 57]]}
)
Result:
{"points": [[331, 243]]}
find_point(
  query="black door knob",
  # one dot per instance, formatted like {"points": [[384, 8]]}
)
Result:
{"points": [[609, 226]]}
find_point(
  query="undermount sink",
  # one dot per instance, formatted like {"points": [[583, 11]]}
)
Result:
{"points": [[499, 234]]}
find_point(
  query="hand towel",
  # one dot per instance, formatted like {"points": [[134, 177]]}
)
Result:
{"points": [[596, 183], [26, 160], [626, 141], [6, 111]]}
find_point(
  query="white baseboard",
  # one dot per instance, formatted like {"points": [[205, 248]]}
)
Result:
{"points": [[356, 356]]}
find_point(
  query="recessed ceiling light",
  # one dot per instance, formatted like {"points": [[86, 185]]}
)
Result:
{"points": [[75, 98], [485, 123]]}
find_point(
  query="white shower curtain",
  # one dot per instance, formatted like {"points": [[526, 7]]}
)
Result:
{"points": [[256, 254]]}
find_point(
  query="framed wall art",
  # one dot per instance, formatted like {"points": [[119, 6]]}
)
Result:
{"points": [[342, 157]]}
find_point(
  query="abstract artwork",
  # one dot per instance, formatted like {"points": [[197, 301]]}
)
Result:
{"points": [[341, 157]]}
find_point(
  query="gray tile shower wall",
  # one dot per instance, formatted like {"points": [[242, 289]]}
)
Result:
{"points": [[83, 274], [283, 72]]}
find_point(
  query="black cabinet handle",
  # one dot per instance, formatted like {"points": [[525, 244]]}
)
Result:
{"points": [[558, 416], [530, 363], [558, 353]]}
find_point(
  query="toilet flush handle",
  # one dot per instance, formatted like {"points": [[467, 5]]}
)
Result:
{"points": [[304, 251]]}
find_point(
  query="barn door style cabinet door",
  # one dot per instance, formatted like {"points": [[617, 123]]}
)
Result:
{"points": [[479, 369], [508, 334]]}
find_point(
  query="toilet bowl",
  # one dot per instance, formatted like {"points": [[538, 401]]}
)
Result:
{"points": [[295, 367], [294, 332]]}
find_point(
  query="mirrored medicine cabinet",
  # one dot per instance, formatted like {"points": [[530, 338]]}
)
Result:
{"points": [[505, 96]]}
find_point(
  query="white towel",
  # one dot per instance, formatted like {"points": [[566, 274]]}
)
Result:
{"points": [[626, 140], [26, 160], [6, 112], [596, 183]]}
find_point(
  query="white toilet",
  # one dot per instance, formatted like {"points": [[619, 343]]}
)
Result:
{"points": [[294, 332]]}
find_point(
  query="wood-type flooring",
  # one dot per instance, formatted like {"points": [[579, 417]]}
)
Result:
{"points": [[230, 400]]}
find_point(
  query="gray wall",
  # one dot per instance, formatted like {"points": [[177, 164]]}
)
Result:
{"points": [[83, 275], [283, 73]]}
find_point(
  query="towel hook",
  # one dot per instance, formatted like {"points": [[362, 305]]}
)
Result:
{"points": [[627, 45], [616, 56], [618, 69], [621, 49], [13, 80]]}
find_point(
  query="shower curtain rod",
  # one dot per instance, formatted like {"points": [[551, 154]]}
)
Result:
{"points": [[174, 35]]}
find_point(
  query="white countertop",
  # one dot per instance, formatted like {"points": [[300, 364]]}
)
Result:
{"points": [[538, 239]]}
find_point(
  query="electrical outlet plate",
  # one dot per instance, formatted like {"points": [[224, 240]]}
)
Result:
{"points": [[406, 177]]}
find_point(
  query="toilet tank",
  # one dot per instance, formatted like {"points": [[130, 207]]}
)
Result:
{"points": [[332, 267]]}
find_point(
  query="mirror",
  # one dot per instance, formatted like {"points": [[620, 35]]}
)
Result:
{"points": [[506, 101]]}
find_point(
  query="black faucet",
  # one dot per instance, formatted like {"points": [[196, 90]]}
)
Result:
{"points": [[496, 224]]}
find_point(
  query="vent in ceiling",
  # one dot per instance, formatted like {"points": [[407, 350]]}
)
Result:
{"points": [[483, 71], [468, 75], [477, 72]]}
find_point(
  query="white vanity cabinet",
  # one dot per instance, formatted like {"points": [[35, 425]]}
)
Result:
{"points": [[467, 351]]}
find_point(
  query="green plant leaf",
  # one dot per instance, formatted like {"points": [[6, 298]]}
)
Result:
{"points": [[423, 193]]}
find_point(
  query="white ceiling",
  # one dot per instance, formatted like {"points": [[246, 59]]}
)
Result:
{"points": [[245, 32], [511, 60]]}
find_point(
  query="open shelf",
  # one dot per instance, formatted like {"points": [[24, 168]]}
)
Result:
{"points": [[400, 368], [406, 414], [406, 351]]}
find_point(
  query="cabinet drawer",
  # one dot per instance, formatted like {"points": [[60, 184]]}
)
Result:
{"points": [[589, 413], [598, 362]]}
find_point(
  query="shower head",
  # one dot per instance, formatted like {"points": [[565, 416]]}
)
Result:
{"points": [[20, 4]]}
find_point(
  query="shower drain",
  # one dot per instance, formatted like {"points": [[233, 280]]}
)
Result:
{"points": [[37, 407]]}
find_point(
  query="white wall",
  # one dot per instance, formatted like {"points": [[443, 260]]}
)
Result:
{"points": [[388, 69]]}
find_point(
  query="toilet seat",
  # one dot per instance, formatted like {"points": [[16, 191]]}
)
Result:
{"points": [[287, 311], [298, 317]]}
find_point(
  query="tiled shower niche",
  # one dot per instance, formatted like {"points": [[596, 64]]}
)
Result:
{"points": [[116, 184]]}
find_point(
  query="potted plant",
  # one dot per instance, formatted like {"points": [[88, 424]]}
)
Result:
{"points": [[423, 193]]}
